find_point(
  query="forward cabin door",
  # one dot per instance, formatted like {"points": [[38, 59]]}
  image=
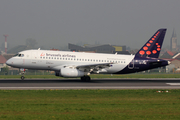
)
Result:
{"points": [[34, 58]]}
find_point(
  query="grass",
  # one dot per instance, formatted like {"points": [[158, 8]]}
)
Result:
{"points": [[89, 104], [139, 75]]}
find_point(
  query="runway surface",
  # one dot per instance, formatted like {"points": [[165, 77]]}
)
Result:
{"points": [[39, 84]]}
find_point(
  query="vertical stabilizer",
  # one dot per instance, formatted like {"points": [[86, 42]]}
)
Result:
{"points": [[153, 46]]}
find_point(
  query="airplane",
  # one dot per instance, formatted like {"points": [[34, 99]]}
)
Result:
{"points": [[81, 64]]}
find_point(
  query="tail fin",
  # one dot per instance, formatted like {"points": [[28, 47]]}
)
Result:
{"points": [[153, 46]]}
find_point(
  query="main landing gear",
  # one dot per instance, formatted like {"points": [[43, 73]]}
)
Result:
{"points": [[86, 78]]}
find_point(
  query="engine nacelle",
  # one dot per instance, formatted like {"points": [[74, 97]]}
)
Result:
{"points": [[68, 72]]}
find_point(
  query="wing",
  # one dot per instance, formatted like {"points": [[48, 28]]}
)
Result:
{"points": [[93, 67]]}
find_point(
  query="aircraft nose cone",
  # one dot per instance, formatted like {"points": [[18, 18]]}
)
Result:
{"points": [[9, 62]]}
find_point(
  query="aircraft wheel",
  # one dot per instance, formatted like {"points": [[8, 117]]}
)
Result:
{"points": [[86, 78], [22, 77], [82, 78]]}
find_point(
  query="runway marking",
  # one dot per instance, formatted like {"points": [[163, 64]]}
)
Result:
{"points": [[173, 83], [124, 87]]}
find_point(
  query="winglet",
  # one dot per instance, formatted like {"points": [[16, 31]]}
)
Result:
{"points": [[153, 46]]}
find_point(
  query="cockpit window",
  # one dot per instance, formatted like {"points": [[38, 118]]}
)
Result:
{"points": [[19, 55]]}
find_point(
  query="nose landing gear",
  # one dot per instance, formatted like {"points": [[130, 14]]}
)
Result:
{"points": [[22, 77], [22, 73]]}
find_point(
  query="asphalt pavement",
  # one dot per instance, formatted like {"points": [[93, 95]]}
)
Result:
{"points": [[40, 84]]}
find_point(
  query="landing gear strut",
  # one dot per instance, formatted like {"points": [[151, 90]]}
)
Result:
{"points": [[86, 78]]}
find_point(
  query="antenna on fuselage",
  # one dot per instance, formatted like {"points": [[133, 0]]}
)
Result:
{"points": [[39, 48]]}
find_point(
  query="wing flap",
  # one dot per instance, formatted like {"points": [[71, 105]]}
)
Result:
{"points": [[93, 67]]}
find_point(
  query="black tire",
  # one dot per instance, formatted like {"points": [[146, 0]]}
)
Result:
{"points": [[86, 78], [83, 78], [22, 77]]}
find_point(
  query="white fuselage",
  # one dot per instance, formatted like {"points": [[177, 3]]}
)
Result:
{"points": [[55, 60]]}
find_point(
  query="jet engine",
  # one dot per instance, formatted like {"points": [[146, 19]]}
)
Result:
{"points": [[69, 72]]}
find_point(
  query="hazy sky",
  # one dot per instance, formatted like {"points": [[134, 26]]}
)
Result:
{"points": [[55, 23]]}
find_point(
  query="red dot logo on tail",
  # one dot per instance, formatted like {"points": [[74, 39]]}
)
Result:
{"points": [[148, 52], [153, 46], [145, 48], [148, 44], [141, 52], [154, 51], [158, 49], [151, 41]]}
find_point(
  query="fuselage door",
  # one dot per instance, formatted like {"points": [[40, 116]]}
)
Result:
{"points": [[34, 57], [131, 64]]}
